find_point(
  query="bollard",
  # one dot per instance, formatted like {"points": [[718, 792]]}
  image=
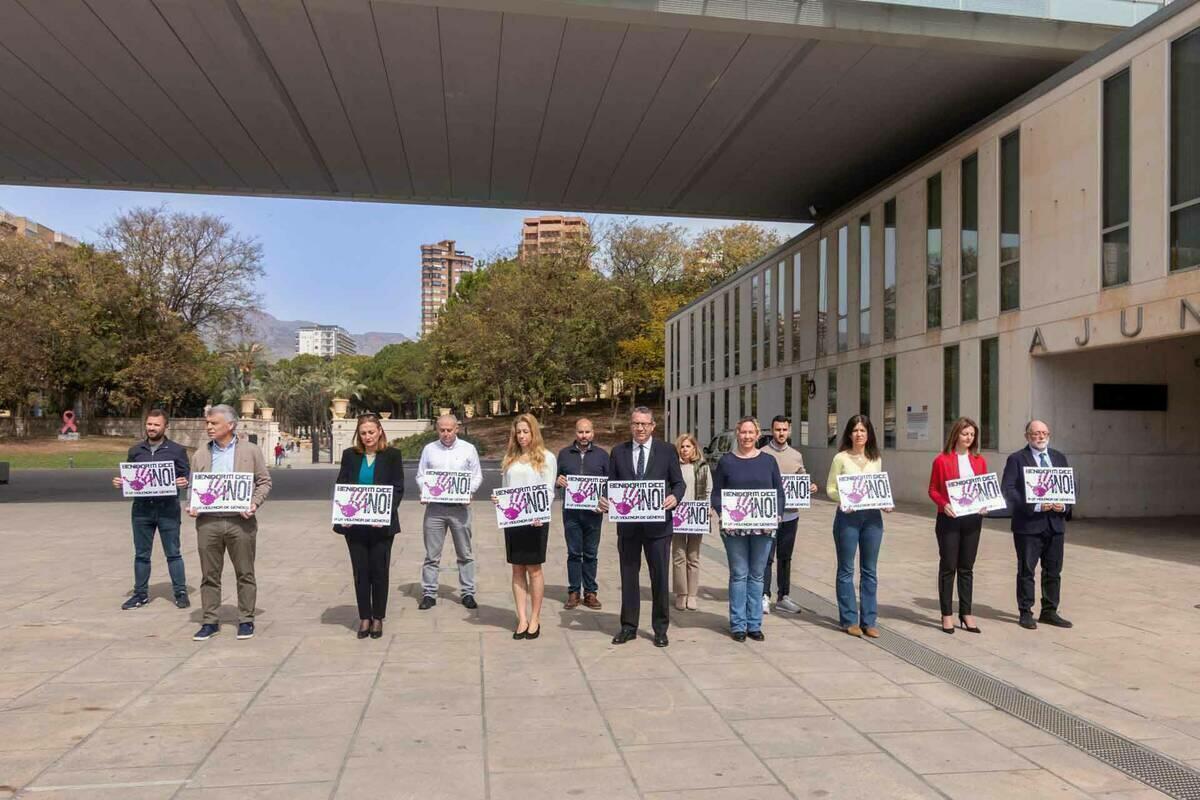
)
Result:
{"points": [[70, 462]]}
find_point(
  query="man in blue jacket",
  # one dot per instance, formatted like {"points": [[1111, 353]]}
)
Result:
{"points": [[1039, 529], [157, 513]]}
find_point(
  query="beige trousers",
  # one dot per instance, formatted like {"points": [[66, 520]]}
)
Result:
{"points": [[685, 564], [216, 535]]}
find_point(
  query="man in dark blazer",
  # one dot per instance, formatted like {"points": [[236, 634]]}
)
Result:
{"points": [[650, 459], [1038, 528]]}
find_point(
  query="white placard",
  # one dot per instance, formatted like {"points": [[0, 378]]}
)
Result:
{"points": [[749, 509], [865, 491], [1050, 485], [975, 495], [522, 505], [583, 493], [221, 492], [690, 517], [362, 504], [637, 501], [445, 486], [797, 492], [148, 479]]}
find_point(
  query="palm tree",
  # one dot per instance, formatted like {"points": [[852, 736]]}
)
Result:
{"points": [[245, 357]]}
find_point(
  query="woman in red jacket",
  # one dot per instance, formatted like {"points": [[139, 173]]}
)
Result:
{"points": [[957, 537]]}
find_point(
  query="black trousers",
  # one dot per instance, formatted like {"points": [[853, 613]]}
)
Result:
{"points": [[1047, 547], [630, 546], [785, 542], [958, 544], [371, 557]]}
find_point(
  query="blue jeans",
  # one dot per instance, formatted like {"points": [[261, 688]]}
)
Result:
{"points": [[582, 530], [747, 557], [861, 532], [149, 514]]}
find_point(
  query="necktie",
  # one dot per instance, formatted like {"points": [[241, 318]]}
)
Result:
{"points": [[1044, 459], [641, 464]]}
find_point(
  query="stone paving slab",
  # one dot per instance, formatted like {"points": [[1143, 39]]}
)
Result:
{"points": [[101, 703]]}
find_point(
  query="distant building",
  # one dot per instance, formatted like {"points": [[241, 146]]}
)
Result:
{"points": [[326, 341], [548, 234], [12, 225], [441, 267]]}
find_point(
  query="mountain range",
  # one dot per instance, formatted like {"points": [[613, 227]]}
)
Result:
{"points": [[278, 336]]}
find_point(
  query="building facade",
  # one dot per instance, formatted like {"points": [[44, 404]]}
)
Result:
{"points": [[548, 235], [326, 341], [12, 225], [442, 265], [1046, 263]]}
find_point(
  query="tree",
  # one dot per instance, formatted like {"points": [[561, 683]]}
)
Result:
{"points": [[244, 358], [717, 253], [193, 266], [644, 256], [397, 377]]}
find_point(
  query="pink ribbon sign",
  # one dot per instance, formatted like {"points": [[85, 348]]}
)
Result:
{"points": [[69, 426]]}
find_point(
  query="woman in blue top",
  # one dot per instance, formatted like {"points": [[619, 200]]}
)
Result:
{"points": [[371, 461], [746, 467]]}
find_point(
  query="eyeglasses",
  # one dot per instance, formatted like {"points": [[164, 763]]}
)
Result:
{"points": [[641, 424]]}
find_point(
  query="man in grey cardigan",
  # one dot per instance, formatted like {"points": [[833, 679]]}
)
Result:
{"points": [[236, 533]]}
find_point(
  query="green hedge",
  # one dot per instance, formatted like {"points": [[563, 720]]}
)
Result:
{"points": [[411, 446]]}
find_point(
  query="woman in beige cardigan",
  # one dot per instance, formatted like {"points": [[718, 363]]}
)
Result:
{"points": [[685, 549]]}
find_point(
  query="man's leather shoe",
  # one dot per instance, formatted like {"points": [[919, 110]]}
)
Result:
{"points": [[625, 635], [591, 601], [871, 632], [853, 630], [427, 602], [1052, 618], [757, 636], [572, 600], [469, 601], [660, 640], [738, 636], [1027, 621]]}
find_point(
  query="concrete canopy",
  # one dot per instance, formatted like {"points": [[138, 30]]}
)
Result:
{"points": [[573, 104]]}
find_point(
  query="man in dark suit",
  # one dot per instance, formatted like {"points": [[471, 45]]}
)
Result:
{"points": [[649, 459], [1038, 528]]}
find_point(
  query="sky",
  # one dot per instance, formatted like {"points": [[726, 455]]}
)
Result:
{"points": [[333, 262]]}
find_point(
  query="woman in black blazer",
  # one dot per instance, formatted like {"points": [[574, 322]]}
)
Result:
{"points": [[371, 461]]}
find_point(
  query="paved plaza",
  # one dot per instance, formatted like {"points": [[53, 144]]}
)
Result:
{"points": [[98, 703]]}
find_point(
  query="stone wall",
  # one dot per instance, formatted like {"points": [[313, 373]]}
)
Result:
{"points": [[343, 431]]}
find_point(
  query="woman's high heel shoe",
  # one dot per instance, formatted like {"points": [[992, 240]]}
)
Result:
{"points": [[364, 632], [947, 630], [377, 632], [962, 623]]}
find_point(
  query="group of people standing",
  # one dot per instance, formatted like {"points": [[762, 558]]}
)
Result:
{"points": [[1038, 529]]}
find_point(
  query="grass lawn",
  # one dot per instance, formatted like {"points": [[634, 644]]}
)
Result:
{"points": [[89, 452]]}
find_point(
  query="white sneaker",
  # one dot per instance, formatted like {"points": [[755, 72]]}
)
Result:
{"points": [[766, 605], [787, 604]]}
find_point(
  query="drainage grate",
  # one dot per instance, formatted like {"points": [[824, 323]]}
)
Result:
{"points": [[1146, 765]]}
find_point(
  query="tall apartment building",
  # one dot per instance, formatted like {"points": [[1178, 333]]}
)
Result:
{"points": [[12, 225], [441, 267], [546, 235], [326, 341]]}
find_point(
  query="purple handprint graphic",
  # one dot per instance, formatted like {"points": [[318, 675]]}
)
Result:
{"points": [[356, 504], [141, 477], [1042, 486], [738, 512], [208, 496], [858, 490], [513, 511], [623, 505], [677, 519]]}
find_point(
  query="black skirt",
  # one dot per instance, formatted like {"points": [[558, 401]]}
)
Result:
{"points": [[526, 544]]}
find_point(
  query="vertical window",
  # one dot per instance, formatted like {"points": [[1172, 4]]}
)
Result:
{"points": [[804, 409], [1010, 221], [933, 252], [1114, 247], [864, 281], [843, 298], [989, 394], [831, 420], [796, 286], [725, 334], [969, 281], [687, 402], [725, 411], [780, 306], [712, 340], [787, 397], [737, 330], [692, 349], [677, 419], [712, 414], [768, 313], [949, 388], [889, 402], [741, 402], [889, 270], [822, 293], [864, 388], [671, 357], [703, 344], [755, 291], [754, 400], [1185, 155]]}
